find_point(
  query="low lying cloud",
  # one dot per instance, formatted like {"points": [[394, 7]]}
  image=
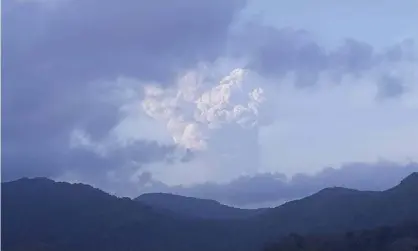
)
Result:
{"points": [[273, 189]]}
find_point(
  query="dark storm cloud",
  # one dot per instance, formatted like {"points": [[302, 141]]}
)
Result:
{"points": [[54, 159], [93, 39], [275, 52], [390, 86], [52, 50], [272, 189]]}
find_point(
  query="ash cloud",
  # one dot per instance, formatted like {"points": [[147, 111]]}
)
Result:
{"points": [[197, 106], [83, 70]]}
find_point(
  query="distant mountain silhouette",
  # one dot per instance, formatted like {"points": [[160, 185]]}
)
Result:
{"points": [[409, 184], [342, 209], [40, 214], [194, 207]]}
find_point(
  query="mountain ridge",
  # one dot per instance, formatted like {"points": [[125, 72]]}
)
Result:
{"points": [[41, 214], [194, 207]]}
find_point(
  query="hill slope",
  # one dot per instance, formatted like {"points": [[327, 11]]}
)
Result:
{"points": [[341, 209], [194, 207], [40, 214], [403, 237]]}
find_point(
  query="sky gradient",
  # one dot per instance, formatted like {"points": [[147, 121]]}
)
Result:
{"points": [[264, 100]]}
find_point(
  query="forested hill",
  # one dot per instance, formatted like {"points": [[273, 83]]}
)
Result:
{"points": [[403, 237], [40, 214]]}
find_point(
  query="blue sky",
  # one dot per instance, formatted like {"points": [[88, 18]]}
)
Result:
{"points": [[380, 23], [196, 96]]}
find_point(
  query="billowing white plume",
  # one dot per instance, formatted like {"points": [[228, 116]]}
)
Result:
{"points": [[200, 103]]}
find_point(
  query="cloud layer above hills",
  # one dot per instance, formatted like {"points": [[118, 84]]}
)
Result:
{"points": [[196, 92]]}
